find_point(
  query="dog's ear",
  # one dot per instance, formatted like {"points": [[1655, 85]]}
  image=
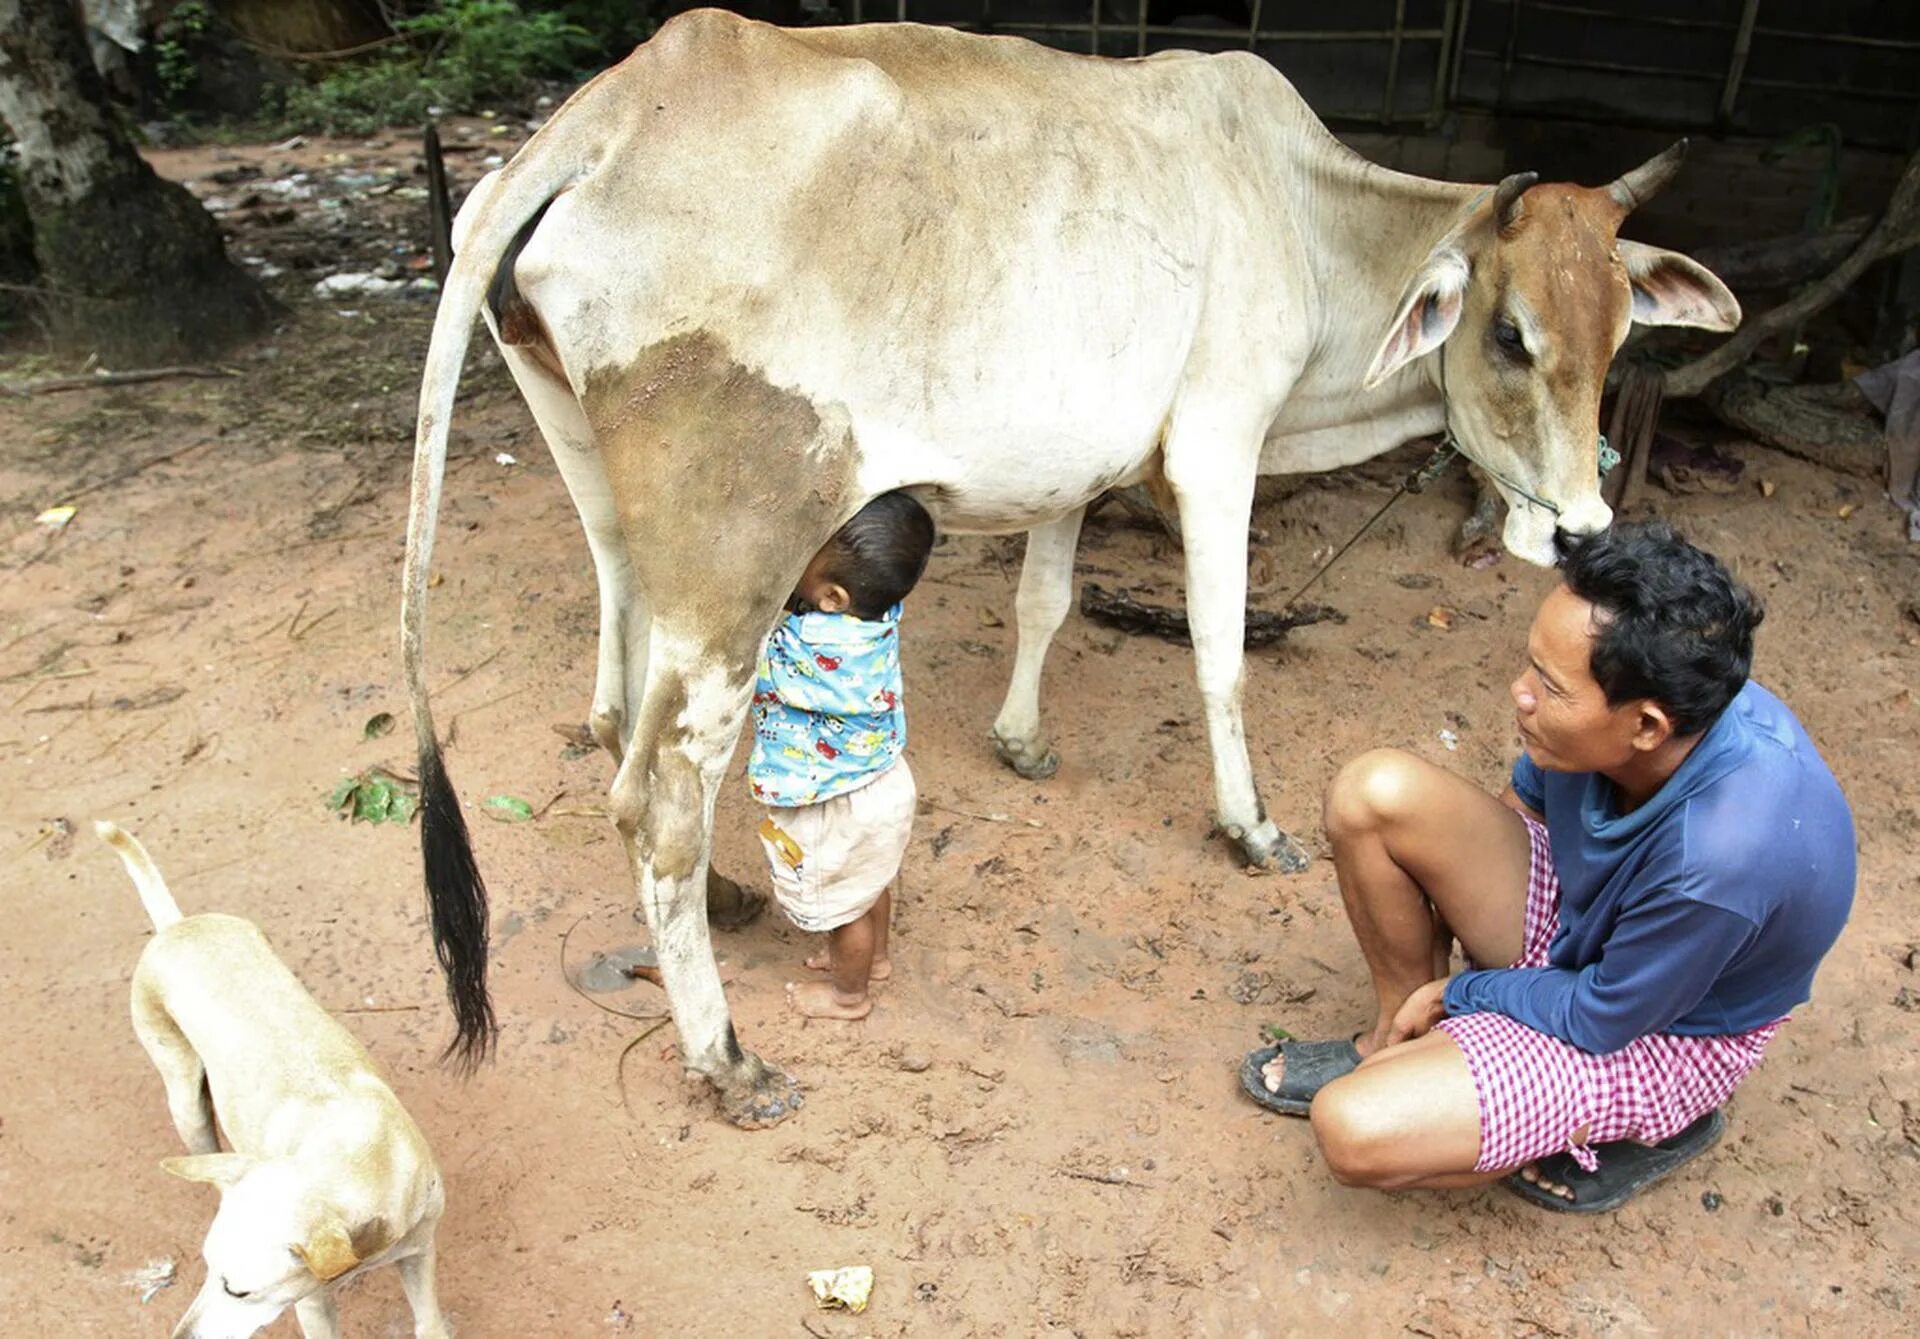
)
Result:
{"points": [[328, 1252], [214, 1169]]}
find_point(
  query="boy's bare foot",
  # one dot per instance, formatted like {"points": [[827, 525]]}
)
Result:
{"points": [[819, 999], [823, 962]]}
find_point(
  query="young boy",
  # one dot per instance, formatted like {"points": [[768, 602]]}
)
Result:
{"points": [[828, 735]]}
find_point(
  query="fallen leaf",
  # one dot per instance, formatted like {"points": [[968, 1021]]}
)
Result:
{"points": [[381, 723], [56, 518], [1847, 510], [1440, 617], [375, 796], [508, 809], [989, 619], [1768, 488]]}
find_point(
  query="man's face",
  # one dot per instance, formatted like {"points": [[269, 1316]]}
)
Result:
{"points": [[1560, 709]]}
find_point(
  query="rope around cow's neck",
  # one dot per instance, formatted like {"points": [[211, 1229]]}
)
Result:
{"points": [[1431, 469]]}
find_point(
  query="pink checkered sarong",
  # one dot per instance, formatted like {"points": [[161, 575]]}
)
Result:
{"points": [[1537, 1092]]}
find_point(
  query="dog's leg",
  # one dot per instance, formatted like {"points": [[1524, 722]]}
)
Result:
{"points": [[318, 1317], [180, 1069], [416, 1276]]}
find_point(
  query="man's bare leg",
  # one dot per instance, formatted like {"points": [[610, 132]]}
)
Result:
{"points": [[882, 926], [1407, 1119], [844, 996], [1422, 855]]}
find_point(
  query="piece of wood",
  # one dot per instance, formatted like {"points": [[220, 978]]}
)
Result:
{"points": [[1897, 229], [1783, 262], [439, 205], [1636, 413], [1117, 609], [1831, 425], [49, 385]]}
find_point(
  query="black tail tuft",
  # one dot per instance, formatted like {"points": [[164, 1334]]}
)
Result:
{"points": [[457, 905]]}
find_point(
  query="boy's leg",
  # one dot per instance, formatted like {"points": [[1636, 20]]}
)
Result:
{"points": [[844, 995], [882, 914], [882, 932]]}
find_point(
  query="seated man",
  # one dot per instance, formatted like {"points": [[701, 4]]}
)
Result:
{"points": [[1640, 910]]}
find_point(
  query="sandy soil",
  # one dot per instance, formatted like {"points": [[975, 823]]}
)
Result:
{"points": [[198, 654]]}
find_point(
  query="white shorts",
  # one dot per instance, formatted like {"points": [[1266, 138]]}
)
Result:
{"points": [[832, 860]]}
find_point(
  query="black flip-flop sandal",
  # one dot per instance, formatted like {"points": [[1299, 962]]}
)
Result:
{"points": [[1311, 1066], [1626, 1169]]}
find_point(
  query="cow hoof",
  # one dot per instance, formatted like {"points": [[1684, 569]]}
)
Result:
{"points": [[729, 906], [1268, 848], [1035, 762], [760, 1095]]}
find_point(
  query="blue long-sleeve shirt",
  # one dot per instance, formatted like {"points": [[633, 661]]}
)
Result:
{"points": [[1703, 912]]}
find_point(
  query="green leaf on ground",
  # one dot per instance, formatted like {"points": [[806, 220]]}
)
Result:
{"points": [[1276, 1034], [508, 809], [375, 796], [379, 725]]}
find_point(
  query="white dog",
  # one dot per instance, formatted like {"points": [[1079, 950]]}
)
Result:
{"points": [[328, 1175]]}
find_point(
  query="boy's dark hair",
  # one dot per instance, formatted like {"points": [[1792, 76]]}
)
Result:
{"points": [[1674, 625], [879, 555]]}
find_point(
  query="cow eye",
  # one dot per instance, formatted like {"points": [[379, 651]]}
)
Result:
{"points": [[230, 1291], [1507, 335]]}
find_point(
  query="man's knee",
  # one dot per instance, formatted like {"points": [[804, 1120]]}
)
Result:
{"points": [[1351, 1139], [1375, 788]]}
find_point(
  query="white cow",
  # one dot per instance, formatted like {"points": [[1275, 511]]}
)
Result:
{"points": [[751, 278]]}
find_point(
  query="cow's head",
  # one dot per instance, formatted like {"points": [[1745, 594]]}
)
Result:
{"points": [[1527, 300]]}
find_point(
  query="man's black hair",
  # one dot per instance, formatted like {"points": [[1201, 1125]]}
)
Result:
{"points": [[879, 555], [1673, 624]]}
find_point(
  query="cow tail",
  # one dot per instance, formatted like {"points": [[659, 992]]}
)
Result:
{"points": [[456, 894]]}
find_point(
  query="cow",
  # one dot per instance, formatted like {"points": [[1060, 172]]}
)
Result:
{"points": [[750, 278]]}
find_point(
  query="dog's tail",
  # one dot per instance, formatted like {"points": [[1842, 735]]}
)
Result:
{"points": [[154, 896]]}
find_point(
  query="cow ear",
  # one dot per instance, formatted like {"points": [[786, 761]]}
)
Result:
{"points": [[1672, 289], [1427, 314], [214, 1169]]}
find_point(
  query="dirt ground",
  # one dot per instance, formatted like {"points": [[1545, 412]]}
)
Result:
{"points": [[1038, 1130]]}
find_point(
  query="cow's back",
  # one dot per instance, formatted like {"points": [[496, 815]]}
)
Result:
{"points": [[977, 246]]}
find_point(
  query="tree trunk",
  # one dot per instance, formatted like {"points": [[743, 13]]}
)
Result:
{"points": [[136, 268]]}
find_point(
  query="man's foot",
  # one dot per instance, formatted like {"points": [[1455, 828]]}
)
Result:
{"points": [[1284, 1078], [823, 962], [820, 999], [1626, 1169]]}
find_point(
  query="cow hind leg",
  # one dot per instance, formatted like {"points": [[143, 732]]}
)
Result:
{"points": [[1046, 594], [663, 801], [621, 666], [620, 670], [726, 484], [1213, 484]]}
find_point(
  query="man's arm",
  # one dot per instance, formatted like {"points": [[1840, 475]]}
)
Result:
{"points": [[1660, 961], [1511, 798]]}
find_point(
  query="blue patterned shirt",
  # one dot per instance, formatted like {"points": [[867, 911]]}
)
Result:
{"points": [[827, 716]]}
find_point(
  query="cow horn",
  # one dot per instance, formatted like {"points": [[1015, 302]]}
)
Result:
{"points": [[1506, 197], [1637, 187]]}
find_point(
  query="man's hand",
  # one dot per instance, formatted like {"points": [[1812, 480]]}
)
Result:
{"points": [[1425, 1007]]}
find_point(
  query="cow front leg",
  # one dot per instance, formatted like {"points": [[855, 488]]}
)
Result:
{"points": [[662, 802], [1214, 488], [1046, 594]]}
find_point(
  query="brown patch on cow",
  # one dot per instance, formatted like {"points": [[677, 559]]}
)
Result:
{"points": [[725, 484]]}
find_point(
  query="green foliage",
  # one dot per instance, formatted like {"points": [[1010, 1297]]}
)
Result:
{"points": [[177, 49], [459, 55], [375, 796]]}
